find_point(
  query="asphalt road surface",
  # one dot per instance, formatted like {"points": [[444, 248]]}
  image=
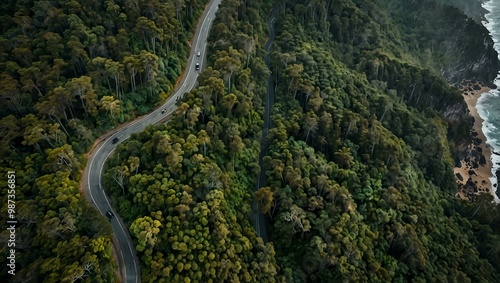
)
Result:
{"points": [[91, 181], [259, 219]]}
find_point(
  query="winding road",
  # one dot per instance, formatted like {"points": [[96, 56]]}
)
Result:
{"points": [[259, 218], [91, 178]]}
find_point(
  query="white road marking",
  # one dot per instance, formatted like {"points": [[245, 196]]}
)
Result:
{"points": [[151, 115]]}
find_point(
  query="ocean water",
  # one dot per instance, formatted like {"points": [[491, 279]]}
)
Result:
{"points": [[488, 105]]}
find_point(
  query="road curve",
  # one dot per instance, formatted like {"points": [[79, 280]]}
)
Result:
{"points": [[91, 178], [259, 219]]}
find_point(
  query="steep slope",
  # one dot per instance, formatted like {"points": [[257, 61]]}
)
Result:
{"points": [[359, 165], [473, 9], [451, 49]]}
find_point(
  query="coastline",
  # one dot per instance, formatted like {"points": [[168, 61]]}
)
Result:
{"points": [[490, 22], [475, 172]]}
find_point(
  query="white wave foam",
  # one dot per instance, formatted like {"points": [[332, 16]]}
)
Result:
{"points": [[488, 128], [493, 179]]}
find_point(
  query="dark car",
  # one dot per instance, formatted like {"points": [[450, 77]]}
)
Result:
{"points": [[115, 140], [197, 66], [110, 214]]}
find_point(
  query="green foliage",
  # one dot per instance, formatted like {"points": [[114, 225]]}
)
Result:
{"points": [[450, 50], [359, 180], [71, 70], [185, 188], [59, 238], [359, 164]]}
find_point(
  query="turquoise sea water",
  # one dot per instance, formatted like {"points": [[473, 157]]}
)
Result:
{"points": [[488, 105]]}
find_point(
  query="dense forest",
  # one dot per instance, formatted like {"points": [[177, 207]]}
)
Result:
{"points": [[360, 185], [365, 124], [186, 187]]}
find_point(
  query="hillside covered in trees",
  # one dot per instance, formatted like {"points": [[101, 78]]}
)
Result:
{"points": [[70, 71], [186, 187], [472, 8], [360, 185], [365, 124]]}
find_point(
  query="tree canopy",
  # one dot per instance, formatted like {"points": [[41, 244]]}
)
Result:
{"points": [[365, 122], [70, 71]]}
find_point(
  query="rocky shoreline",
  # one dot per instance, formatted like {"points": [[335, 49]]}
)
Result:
{"points": [[497, 176], [473, 163]]}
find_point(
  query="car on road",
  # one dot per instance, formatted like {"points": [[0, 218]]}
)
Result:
{"points": [[198, 54], [164, 110], [197, 66], [110, 214], [115, 140]]}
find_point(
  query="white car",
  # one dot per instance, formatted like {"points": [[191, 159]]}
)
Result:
{"points": [[198, 54]]}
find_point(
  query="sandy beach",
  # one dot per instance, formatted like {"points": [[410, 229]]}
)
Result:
{"points": [[475, 174]]}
